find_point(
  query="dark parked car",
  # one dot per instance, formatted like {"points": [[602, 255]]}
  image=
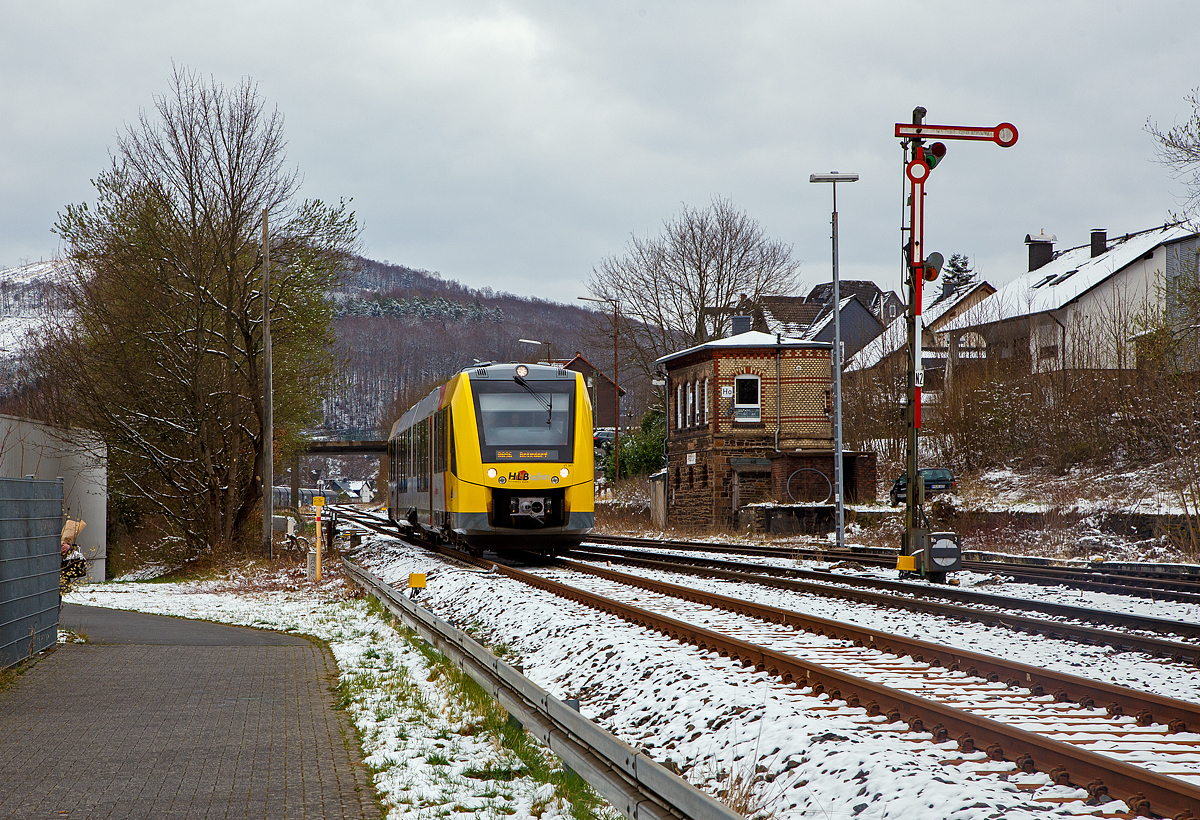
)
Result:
{"points": [[603, 439], [937, 480]]}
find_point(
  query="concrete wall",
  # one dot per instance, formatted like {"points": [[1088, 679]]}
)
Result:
{"points": [[31, 448]]}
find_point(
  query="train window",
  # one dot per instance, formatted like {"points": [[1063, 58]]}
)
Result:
{"points": [[519, 424], [441, 440]]}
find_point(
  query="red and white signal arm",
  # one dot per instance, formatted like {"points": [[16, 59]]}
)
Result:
{"points": [[1004, 134]]}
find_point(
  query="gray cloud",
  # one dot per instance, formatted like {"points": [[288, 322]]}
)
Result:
{"points": [[515, 144]]}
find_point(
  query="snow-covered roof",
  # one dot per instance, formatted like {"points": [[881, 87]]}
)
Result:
{"points": [[1065, 278], [790, 315], [753, 338], [895, 336], [827, 317]]}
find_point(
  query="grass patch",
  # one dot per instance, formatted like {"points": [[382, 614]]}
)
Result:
{"points": [[471, 712], [538, 764]]}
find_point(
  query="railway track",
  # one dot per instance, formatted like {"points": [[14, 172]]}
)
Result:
{"points": [[992, 610], [1144, 581], [1038, 727]]}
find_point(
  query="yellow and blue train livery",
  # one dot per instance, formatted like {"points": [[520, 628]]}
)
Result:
{"points": [[500, 457]]}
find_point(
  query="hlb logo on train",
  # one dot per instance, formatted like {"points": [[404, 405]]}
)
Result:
{"points": [[524, 475]]}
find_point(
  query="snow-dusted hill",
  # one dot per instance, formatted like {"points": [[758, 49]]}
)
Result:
{"points": [[28, 298]]}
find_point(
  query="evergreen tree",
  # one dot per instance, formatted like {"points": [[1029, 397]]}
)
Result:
{"points": [[957, 275]]}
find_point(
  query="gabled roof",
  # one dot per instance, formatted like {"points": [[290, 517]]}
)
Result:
{"points": [[867, 292], [1065, 278], [752, 338], [566, 364], [826, 317], [895, 335], [790, 315]]}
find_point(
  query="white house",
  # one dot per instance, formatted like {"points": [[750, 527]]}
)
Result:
{"points": [[1082, 307]]}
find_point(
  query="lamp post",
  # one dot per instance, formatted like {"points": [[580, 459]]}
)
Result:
{"points": [[616, 305], [834, 177]]}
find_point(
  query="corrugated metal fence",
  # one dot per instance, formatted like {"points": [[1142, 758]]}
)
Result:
{"points": [[31, 519]]}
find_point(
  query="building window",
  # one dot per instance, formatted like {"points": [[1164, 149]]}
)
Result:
{"points": [[706, 400], [1047, 352], [678, 407], [746, 404], [690, 407]]}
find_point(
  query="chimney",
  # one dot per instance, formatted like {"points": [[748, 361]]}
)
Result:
{"points": [[1041, 249], [1099, 241], [742, 324]]}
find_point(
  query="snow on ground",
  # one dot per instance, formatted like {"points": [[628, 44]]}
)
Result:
{"points": [[712, 718], [722, 725], [1132, 669], [428, 755]]}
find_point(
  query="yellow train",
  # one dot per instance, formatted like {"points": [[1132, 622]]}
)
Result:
{"points": [[500, 457]]}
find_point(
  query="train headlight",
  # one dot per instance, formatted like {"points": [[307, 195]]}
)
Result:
{"points": [[491, 472], [564, 472], [522, 371]]}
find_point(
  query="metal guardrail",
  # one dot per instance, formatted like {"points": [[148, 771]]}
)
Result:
{"points": [[630, 781]]}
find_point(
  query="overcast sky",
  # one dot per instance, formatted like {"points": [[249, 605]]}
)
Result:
{"points": [[515, 144]]}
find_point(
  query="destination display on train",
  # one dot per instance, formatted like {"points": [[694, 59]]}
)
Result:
{"points": [[527, 455]]}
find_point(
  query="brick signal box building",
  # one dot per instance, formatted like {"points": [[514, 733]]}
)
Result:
{"points": [[750, 419]]}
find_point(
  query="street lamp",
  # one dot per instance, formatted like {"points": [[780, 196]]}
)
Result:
{"points": [[549, 349], [616, 305], [834, 177]]}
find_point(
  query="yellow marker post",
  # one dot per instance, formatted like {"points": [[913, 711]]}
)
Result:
{"points": [[319, 504], [416, 581]]}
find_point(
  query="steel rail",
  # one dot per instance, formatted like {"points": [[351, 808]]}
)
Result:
{"points": [[1149, 708], [1175, 587], [1142, 789], [824, 583], [629, 780]]}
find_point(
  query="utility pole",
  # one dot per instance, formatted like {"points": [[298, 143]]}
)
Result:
{"points": [[268, 469], [616, 379]]}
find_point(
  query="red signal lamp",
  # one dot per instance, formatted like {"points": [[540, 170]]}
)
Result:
{"points": [[934, 154]]}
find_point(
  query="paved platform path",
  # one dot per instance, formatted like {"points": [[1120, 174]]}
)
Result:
{"points": [[171, 718]]}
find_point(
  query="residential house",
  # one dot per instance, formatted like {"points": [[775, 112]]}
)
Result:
{"points": [[600, 388], [1084, 307], [941, 306]]}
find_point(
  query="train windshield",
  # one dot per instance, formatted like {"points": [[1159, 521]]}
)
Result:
{"points": [[519, 424]]}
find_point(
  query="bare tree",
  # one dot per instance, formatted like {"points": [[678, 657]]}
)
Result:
{"points": [[163, 358], [675, 289], [1179, 150]]}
